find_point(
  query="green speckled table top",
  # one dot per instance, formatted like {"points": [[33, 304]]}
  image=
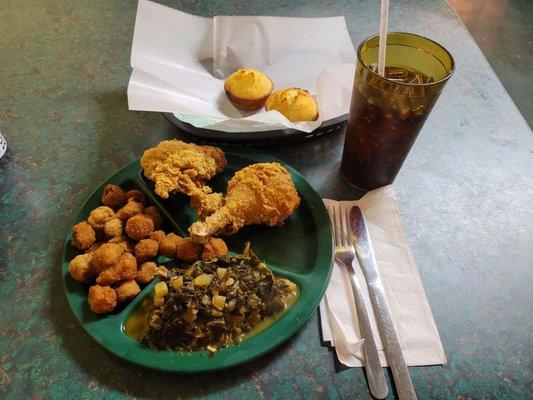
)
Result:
{"points": [[464, 194]]}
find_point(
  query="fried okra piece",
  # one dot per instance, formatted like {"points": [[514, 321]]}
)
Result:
{"points": [[168, 244], [146, 249], [158, 236], [188, 251], [139, 226], [148, 271], [129, 210], [93, 248], [127, 290], [102, 299], [125, 269], [214, 248], [113, 196], [83, 236], [156, 217], [135, 195], [81, 269], [106, 256], [113, 228], [99, 216], [123, 241]]}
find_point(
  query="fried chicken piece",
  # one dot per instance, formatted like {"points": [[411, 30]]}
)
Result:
{"points": [[139, 226], [214, 248], [106, 256], [113, 228], [188, 251], [102, 299], [176, 166], [131, 209], [156, 217], [83, 236], [158, 236], [124, 269], [148, 271], [99, 216], [146, 249], [81, 269], [113, 196], [258, 194], [168, 244], [127, 290]]}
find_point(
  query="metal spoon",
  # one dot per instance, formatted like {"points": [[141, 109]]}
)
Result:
{"points": [[3, 145]]}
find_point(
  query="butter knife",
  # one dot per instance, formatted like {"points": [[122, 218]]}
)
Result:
{"points": [[365, 255]]}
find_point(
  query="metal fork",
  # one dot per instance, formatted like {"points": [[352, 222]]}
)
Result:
{"points": [[344, 255]]}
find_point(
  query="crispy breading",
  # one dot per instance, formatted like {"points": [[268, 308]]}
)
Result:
{"points": [[258, 194], [139, 226], [167, 246], [81, 269], [124, 269], [102, 299], [99, 216], [146, 249], [127, 290], [176, 166], [113, 196], [148, 271], [213, 248], [106, 256], [83, 235], [188, 251]]}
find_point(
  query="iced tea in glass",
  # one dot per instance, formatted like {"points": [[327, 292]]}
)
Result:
{"points": [[386, 113]]}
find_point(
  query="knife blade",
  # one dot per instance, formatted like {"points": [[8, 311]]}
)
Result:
{"points": [[365, 255]]}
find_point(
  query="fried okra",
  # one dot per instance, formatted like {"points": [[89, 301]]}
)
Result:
{"points": [[81, 269], [113, 228], [129, 210], [168, 244], [99, 216], [124, 269], [139, 226], [127, 290], [113, 196], [213, 248], [188, 251], [156, 217], [135, 195], [148, 271], [146, 249], [123, 241], [106, 256], [83, 236], [102, 299]]}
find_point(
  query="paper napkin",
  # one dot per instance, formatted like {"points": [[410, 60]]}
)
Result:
{"points": [[408, 305]]}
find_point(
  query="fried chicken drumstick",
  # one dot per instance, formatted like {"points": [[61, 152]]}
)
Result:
{"points": [[258, 194], [175, 166]]}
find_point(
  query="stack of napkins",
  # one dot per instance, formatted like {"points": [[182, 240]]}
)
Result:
{"points": [[407, 301]]}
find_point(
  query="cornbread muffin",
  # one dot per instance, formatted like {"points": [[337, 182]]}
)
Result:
{"points": [[294, 103], [248, 89]]}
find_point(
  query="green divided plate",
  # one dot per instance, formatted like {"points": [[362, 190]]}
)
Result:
{"points": [[300, 250]]}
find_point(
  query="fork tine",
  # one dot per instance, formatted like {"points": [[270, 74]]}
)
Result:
{"points": [[334, 224], [343, 225], [338, 226], [346, 214]]}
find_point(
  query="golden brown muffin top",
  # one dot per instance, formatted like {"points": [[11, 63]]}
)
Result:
{"points": [[294, 103], [248, 84]]}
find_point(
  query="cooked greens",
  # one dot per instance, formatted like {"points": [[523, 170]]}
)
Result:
{"points": [[212, 304]]}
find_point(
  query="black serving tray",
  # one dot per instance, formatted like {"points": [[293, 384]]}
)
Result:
{"points": [[263, 138]]}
